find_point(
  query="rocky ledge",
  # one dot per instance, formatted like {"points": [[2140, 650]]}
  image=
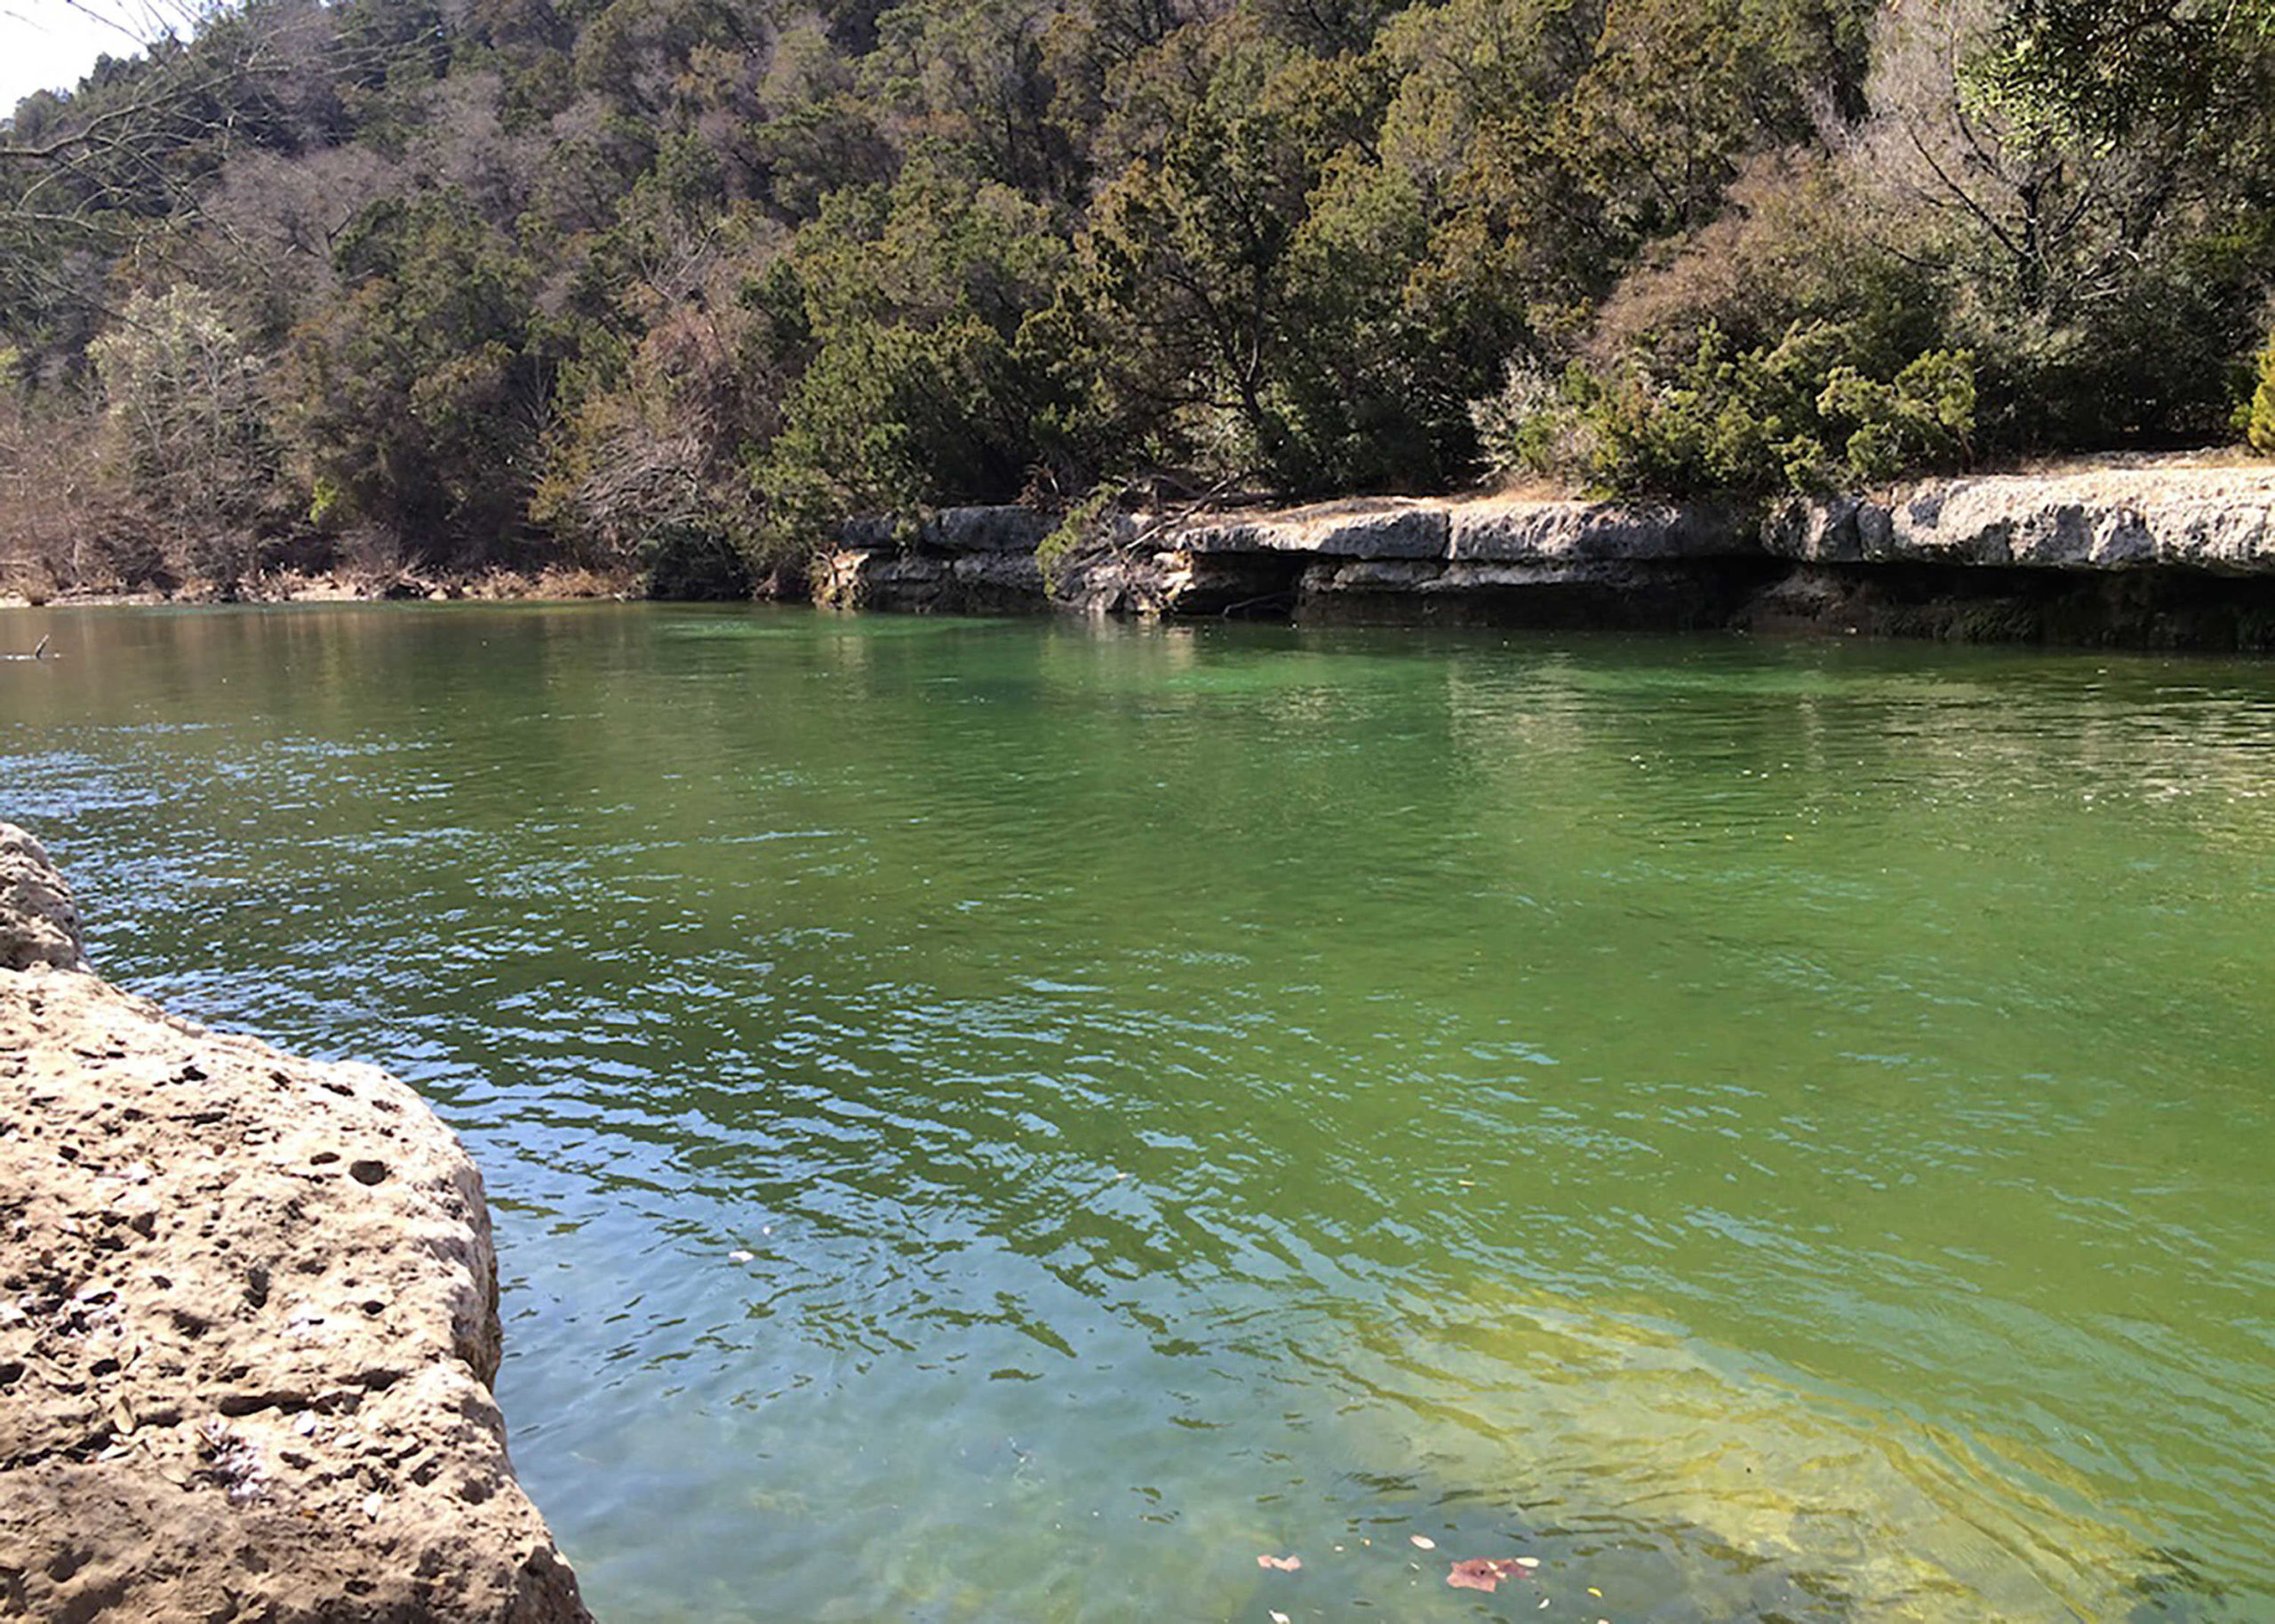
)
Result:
{"points": [[2169, 514], [248, 1322], [2153, 552]]}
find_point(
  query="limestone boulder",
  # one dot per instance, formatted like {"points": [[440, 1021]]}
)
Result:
{"points": [[39, 921], [248, 1324]]}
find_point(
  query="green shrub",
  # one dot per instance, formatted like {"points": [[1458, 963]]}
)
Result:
{"points": [[1796, 414], [2259, 416], [1921, 417]]}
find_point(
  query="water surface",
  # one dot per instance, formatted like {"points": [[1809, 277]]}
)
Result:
{"points": [[1014, 1122]]}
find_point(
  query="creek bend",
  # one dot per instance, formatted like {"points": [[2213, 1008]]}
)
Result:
{"points": [[992, 1120]]}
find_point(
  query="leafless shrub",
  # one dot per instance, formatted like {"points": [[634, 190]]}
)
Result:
{"points": [[372, 556], [186, 427], [65, 524], [1791, 244]]}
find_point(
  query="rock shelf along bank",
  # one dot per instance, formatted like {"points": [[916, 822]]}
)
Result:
{"points": [[248, 1322], [2160, 553]]}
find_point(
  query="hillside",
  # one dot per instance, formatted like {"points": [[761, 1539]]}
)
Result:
{"points": [[679, 284]]}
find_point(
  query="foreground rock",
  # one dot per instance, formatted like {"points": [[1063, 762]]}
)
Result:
{"points": [[39, 921], [2163, 552], [247, 1322]]}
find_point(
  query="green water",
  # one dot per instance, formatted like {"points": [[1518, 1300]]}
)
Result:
{"points": [[1770, 1130]]}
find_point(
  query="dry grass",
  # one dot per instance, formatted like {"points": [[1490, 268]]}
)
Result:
{"points": [[1532, 487], [555, 583], [576, 581], [2231, 457]]}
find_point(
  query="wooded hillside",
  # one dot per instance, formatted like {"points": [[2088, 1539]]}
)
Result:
{"points": [[680, 282]]}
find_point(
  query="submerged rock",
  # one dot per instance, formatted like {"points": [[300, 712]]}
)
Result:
{"points": [[247, 1322], [1689, 1481]]}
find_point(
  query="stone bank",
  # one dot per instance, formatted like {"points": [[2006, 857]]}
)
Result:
{"points": [[2153, 552]]}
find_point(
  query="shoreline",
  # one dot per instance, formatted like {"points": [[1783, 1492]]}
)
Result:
{"points": [[553, 583], [2173, 551]]}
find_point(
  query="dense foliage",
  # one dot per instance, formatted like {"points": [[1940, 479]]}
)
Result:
{"points": [[678, 284]]}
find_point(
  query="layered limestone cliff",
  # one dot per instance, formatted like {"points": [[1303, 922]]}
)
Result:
{"points": [[2155, 552], [2171, 514], [248, 1322]]}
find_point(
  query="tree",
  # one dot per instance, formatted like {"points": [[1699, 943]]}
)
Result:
{"points": [[418, 398], [2092, 183], [917, 309], [1185, 258], [184, 403], [974, 80], [2117, 68], [646, 465]]}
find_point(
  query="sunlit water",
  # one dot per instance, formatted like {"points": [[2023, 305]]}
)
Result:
{"points": [[1015, 1122]]}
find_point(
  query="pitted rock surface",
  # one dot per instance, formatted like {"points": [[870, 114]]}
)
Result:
{"points": [[248, 1319], [39, 921]]}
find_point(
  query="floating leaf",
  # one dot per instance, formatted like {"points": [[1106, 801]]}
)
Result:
{"points": [[1483, 1573], [1285, 1565]]}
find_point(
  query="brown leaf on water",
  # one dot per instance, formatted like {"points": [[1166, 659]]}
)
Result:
{"points": [[1483, 1573], [1285, 1565]]}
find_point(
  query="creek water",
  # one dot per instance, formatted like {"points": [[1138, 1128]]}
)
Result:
{"points": [[1017, 1121]]}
